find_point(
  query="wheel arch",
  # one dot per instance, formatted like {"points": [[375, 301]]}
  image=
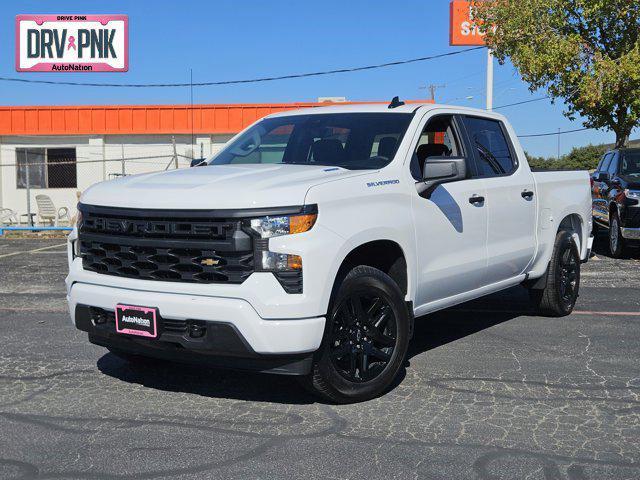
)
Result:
{"points": [[613, 207], [385, 255], [574, 224]]}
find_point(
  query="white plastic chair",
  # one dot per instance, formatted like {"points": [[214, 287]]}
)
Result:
{"points": [[47, 212], [8, 217]]}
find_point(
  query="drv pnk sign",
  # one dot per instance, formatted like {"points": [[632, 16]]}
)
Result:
{"points": [[72, 43]]}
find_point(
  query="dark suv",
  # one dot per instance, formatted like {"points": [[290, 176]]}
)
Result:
{"points": [[615, 190]]}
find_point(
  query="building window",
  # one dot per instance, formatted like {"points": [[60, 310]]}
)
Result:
{"points": [[48, 167]]}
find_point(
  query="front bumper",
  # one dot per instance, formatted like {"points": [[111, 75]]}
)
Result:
{"points": [[630, 220], [630, 214], [223, 318], [630, 233]]}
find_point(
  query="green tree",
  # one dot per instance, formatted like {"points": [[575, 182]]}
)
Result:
{"points": [[583, 158], [585, 52], [579, 158]]}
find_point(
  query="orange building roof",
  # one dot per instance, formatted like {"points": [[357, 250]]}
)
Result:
{"points": [[138, 119]]}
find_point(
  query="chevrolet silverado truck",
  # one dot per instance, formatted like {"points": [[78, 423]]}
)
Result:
{"points": [[311, 241], [615, 188]]}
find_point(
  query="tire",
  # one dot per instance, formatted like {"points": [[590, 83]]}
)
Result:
{"points": [[365, 341], [561, 291], [617, 244]]}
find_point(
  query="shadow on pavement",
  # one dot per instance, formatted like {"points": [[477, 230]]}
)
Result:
{"points": [[205, 381], [431, 331]]}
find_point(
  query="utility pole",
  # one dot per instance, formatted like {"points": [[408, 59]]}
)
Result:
{"points": [[489, 79], [175, 152], [124, 168], [558, 143], [192, 127], [432, 90]]}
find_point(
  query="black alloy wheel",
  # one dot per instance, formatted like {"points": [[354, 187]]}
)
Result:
{"points": [[568, 272], [363, 337], [365, 340], [562, 283]]}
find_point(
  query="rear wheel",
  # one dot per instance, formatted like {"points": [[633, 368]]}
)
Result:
{"points": [[560, 293], [616, 241], [365, 341]]}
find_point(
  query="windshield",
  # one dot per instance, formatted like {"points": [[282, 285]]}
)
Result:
{"points": [[349, 140], [630, 163]]}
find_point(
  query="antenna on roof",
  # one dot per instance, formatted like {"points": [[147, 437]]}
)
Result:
{"points": [[395, 102]]}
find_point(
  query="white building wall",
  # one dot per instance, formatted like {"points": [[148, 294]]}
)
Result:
{"points": [[99, 158]]}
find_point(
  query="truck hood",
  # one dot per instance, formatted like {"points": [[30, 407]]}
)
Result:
{"points": [[216, 187]]}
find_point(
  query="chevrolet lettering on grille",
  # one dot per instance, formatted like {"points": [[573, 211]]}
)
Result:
{"points": [[123, 227]]}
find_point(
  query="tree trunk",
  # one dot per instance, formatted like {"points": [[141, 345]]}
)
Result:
{"points": [[621, 126], [622, 139]]}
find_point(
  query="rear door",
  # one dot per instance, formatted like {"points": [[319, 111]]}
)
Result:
{"points": [[511, 202]]}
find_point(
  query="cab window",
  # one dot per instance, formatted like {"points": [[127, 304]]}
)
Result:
{"points": [[606, 161], [613, 166], [492, 151], [438, 139]]}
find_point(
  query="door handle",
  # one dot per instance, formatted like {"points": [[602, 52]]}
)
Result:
{"points": [[527, 194], [476, 199]]}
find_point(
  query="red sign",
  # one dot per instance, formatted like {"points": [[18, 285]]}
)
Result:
{"points": [[462, 29]]}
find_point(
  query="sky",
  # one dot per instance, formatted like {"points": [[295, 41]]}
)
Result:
{"points": [[229, 40]]}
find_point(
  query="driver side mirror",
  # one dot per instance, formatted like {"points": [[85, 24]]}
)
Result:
{"points": [[439, 170], [198, 162], [602, 176]]}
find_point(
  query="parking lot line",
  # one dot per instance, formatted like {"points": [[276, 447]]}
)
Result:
{"points": [[619, 314], [520, 312], [32, 251]]}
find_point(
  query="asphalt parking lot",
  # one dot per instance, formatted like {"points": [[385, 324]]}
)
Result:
{"points": [[490, 392]]}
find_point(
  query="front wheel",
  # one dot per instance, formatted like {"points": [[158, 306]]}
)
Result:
{"points": [[616, 241], [560, 293], [365, 341]]}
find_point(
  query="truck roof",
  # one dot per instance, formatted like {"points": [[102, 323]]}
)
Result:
{"points": [[383, 108]]}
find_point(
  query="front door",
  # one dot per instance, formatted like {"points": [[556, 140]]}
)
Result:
{"points": [[450, 225], [599, 190]]}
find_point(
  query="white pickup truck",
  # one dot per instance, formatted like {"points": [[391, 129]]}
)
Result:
{"points": [[309, 244]]}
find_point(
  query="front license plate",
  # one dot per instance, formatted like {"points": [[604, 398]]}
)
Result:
{"points": [[134, 320]]}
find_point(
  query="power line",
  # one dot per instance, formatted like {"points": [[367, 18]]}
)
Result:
{"points": [[235, 82], [522, 102], [553, 133]]}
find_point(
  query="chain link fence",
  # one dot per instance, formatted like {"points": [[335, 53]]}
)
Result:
{"points": [[56, 176]]}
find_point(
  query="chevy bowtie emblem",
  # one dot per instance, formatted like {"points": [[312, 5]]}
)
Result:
{"points": [[209, 262]]}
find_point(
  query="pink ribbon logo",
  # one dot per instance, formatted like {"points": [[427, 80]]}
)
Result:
{"points": [[72, 43]]}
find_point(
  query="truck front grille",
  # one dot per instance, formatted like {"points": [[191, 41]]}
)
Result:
{"points": [[167, 264], [170, 246]]}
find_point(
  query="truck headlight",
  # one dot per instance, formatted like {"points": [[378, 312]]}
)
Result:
{"points": [[268, 227], [280, 262], [632, 194]]}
